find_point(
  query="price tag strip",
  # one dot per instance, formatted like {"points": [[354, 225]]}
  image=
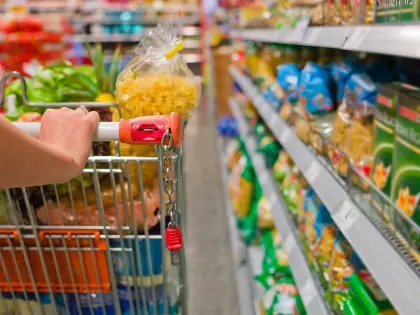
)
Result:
{"points": [[308, 293], [289, 243], [284, 138], [346, 215], [313, 172]]}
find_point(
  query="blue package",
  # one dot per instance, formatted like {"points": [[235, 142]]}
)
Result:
{"points": [[85, 304], [341, 72], [126, 263], [314, 204], [145, 300], [315, 89], [270, 96], [360, 93], [288, 78], [226, 126]]}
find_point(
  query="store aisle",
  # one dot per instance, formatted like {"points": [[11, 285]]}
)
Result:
{"points": [[210, 271]]}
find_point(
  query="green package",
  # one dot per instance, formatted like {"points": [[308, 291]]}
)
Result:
{"points": [[241, 186], [405, 189], [281, 167], [350, 307], [270, 148], [389, 12], [383, 145], [248, 224], [409, 10], [368, 295], [283, 299], [276, 262]]}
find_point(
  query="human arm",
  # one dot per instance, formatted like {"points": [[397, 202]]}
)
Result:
{"points": [[59, 155]]}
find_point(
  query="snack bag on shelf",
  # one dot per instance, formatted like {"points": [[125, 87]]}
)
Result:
{"points": [[336, 146], [315, 102], [405, 188], [319, 230], [366, 292], [283, 299], [276, 262], [234, 156], [282, 166], [248, 225], [270, 148], [241, 186], [361, 94], [156, 82], [252, 58], [341, 72], [288, 78], [265, 216], [338, 273]]}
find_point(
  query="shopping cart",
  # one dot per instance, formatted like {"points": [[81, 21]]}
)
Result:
{"points": [[102, 243]]}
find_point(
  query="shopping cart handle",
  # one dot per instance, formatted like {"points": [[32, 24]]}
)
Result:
{"points": [[143, 130]]}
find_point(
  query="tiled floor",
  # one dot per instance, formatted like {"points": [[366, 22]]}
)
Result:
{"points": [[210, 270]]}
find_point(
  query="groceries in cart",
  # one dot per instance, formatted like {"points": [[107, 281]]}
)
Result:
{"points": [[110, 240]]}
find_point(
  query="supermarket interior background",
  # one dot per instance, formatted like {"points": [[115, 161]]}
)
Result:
{"points": [[292, 191]]}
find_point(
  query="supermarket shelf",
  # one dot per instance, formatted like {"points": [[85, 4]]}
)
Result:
{"points": [[398, 40], [396, 276], [247, 259], [305, 281]]}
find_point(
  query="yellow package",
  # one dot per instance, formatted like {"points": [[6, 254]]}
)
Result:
{"points": [[241, 186], [156, 82], [265, 216]]}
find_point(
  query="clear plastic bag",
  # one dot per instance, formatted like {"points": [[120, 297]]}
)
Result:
{"points": [[156, 82]]}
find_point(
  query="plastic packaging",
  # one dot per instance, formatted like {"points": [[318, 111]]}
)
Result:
{"points": [[156, 82], [360, 94], [241, 186], [283, 299], [288, 79], [265, 216]]}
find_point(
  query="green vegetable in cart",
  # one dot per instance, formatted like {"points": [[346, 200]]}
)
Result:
{"points": [[283, 299]]}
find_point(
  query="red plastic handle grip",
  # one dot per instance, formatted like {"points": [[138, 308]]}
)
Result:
{"points": [[151, 129]]}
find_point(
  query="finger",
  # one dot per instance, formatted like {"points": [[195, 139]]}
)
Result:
{"points": [[82, 111], [65, 109], [93, 117]]}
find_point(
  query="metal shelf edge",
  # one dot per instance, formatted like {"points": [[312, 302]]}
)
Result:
{"points": [[310, 294], [397, 40], [396, 278]]}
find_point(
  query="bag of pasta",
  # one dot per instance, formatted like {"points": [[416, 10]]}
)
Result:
{"points": [[361, 94], [157, 81]]}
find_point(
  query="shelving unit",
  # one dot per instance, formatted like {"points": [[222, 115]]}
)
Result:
{"points": [[383, 255], [247, 259], [397, 40], [305, 281]]}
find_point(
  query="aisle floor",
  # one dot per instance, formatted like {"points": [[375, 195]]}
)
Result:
{"points": [[210, 269]]}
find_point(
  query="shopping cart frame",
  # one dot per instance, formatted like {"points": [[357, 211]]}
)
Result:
{"points": [[169, 150]]}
